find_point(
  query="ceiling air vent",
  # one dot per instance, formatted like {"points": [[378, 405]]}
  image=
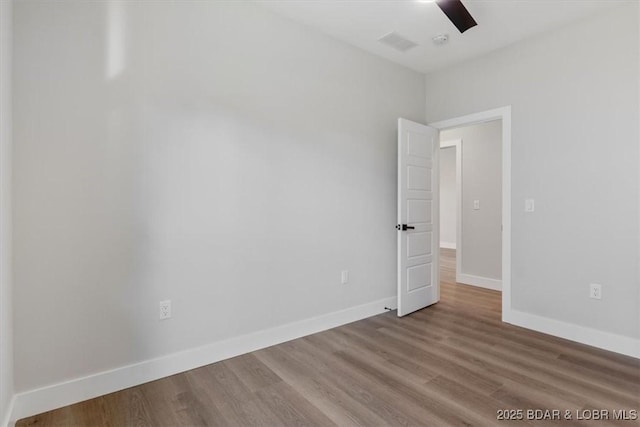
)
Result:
{"points": [[397, 42]]}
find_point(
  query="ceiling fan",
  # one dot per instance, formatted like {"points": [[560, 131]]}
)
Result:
{"points": [[457, 14]]}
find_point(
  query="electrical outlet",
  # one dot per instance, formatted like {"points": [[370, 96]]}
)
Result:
{"points": [[165, 309], [595, 291], [476, 205], [345, 277]]}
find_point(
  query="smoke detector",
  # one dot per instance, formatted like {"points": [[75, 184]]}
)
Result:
{"points": [[397, 42], [441, 39]]}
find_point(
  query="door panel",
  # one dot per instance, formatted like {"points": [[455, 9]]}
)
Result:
{"points": [[418, 277], [418, 178], [419, 211], [418, 244], [418, 281]]}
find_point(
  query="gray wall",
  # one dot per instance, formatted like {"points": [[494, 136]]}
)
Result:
{"points": [[6, 328], [481, 180], [448, 196], [234, 165], [574, 97]]}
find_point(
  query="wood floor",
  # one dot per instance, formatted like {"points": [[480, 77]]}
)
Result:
{"points": [[454, 363]]}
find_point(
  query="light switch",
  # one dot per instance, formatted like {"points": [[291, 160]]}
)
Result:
{"points": [[529, 205], [476, 205]]}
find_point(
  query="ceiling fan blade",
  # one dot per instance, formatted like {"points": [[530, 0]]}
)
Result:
{"points": [[457, 13]]}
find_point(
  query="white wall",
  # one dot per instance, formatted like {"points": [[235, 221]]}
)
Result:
{"points": [[481, 180], [574, 97], [448, 197], [6, 317], [211, 153]]}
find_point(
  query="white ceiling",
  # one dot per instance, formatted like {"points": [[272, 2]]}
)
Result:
{"points": [[500, 23]]}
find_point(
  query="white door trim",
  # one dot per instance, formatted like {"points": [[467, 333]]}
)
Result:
{"points": [[457, 143], [504, 114]]}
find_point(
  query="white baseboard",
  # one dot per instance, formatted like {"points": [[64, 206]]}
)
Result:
{"points": [[7, 419], [448, 245], [584, 335], [482, 282], [66, 393]]}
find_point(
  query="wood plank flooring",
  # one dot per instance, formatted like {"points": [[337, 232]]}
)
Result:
{"points": [[454, 363]]}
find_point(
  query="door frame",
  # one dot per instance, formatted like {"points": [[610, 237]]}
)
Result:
{"points": [[457, 144], [504, 114]]}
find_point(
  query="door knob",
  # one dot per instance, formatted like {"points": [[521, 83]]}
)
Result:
{"points": [[404, 227]]}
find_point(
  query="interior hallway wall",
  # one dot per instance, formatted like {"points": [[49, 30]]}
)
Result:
{"points": [[481, 234], [448, 197], [6, 275]]}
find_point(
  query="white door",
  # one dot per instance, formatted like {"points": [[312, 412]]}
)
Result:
{"points": [[418, 226]]}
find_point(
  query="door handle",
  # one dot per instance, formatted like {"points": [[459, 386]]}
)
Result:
{"points": [[404, 227]]}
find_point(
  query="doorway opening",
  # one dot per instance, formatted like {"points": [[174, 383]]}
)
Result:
{"points": [[470, 202], [482, 218]]}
